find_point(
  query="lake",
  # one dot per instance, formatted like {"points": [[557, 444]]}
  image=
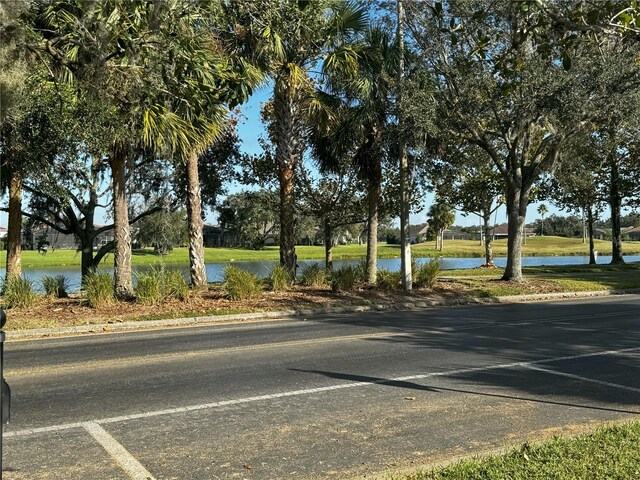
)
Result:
{"points": [[262, 268]]}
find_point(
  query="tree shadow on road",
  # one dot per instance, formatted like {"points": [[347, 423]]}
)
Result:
{"points": [[485, 335]]}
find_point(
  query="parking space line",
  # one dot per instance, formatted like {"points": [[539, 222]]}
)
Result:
{"points": [[584, 379], [339, 386], [127, 462]]}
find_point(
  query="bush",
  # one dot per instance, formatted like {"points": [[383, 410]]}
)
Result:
{"points": [[239, 284], [57, 286], [361, 271], [18, 292], [313, 275], [387, 280], [98, 289], [159, 283], [279, 279], [427, 274], [148, 290], [343, 279], [174, 285]]}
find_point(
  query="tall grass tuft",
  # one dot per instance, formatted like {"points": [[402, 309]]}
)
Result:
{"points": [[174, 285], [98, 289], [148, 290], [361, 271], [313, 275], [239, 284], [280, 279], [343, 279], [388, 280], [55, 286], [427, 274], [18, 292], [159, 283]]}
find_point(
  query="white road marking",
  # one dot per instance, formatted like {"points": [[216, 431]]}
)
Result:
{"points": [[584, 379], [308, 391], [127, 462]]}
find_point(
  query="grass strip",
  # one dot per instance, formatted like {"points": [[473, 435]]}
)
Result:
{"points": [[607, 453]]}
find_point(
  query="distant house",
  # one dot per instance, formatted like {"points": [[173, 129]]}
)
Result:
{"points": [[632, 232], [43, 234], [502, 231], [3, 233], [601, 233]]}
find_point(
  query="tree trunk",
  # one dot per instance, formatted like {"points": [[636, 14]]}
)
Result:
{"points": [[86, 252], [441, 235], [592, 253], [372, 232], [123, 283], [287, 153], [488, 248], [615, 202], [14, 227], [196, 226], [517, 199], [328, 247]]}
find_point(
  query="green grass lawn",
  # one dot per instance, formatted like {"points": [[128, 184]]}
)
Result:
{"points": [[611, 452], [536, 246], [483, 283]]}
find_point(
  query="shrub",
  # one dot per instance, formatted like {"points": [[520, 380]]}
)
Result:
{"points": [[18, 293], [343, 279], [174, 285], [98, 289], [239, 284], [279, 279], [313, 275], [427, 274], [361, 271], [388, 280], [56, 286], [159, 283], [148, 290]]}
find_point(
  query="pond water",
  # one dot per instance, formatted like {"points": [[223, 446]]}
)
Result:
{"points": [[262, 268]]}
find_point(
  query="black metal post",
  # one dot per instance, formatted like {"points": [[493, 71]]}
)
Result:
{"points": [[5, 394]]}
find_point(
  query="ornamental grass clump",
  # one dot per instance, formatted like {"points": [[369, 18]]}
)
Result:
{"points": [[427, 274], [313, 275], [343, 279], [18, 292], [239, 284], [280, 279], [55, 286], [174, 285], [387, 280], [160, 283], [148, 290], [98, 289]]}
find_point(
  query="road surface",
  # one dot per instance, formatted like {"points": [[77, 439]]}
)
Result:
{"points": [[323, 397]]}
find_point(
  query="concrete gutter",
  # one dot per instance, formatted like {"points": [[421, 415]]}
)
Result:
{"points": [[295, 314]]}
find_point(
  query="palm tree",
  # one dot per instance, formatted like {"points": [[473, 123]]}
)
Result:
{"points": [[293, 38], [363, 122], [542, 211], [191, 112], [440, 217]]}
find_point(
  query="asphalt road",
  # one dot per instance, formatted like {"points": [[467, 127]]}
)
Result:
{"points": [[335, 397]]}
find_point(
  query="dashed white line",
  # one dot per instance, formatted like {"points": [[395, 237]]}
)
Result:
{"points": [[308, 391], [584, 379], [127, 462]]}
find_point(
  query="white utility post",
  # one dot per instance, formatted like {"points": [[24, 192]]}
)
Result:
{"points": [[405, 238]]}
